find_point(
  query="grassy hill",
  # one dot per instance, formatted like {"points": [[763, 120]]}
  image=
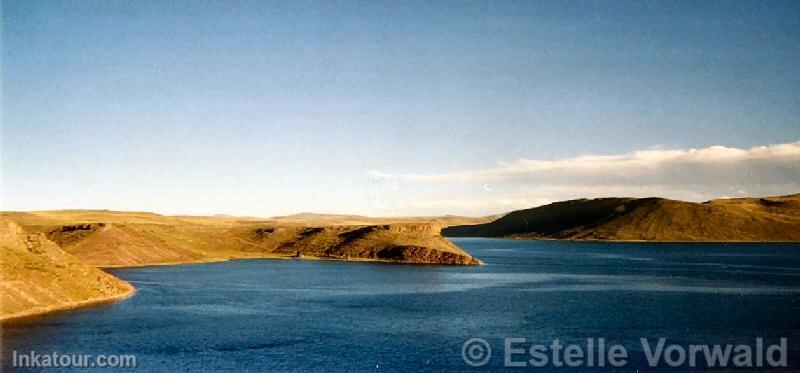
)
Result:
{"points": [[113, 238], [649, 219], [36, 276]]}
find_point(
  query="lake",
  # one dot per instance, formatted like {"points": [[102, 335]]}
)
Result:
{"points": [[318, 315]]}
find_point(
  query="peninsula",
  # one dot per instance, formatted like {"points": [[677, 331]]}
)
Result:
{"points": [[50, 260]]}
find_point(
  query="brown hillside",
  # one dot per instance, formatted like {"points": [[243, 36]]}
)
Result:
{"points": [[143, 239], [650, 219], [48, 257], [120, 245], [36, 276], [411, 243]]}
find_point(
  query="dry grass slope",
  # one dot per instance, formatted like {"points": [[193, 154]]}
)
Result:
{"points": [[772, 219], [112, 239], [49, 258], [408, 243], [36, 276]]}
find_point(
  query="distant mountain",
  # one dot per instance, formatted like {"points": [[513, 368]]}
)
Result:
{"points": [[648, 219]]}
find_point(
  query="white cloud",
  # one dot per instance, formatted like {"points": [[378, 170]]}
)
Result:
{"points": [[657, 164], [687, 174]]}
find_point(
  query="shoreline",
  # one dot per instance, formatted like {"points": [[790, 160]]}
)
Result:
{"points": [[71, 306], [100, 301], [278, 257]]}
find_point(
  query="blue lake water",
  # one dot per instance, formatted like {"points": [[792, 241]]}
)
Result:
{"points": [[315, 315]]}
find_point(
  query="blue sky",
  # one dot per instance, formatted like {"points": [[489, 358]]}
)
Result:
{"points": [[267, 108]]}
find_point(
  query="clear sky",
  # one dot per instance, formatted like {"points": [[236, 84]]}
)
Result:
{"points": [[392, 108]]}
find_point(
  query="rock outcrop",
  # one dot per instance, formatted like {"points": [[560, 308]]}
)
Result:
{"points": [[421, 243]]}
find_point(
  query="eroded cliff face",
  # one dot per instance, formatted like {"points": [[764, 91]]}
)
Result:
{"points": [[407, 243], [168, 241], [37, 276], [423, 229], [420, 254]]}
